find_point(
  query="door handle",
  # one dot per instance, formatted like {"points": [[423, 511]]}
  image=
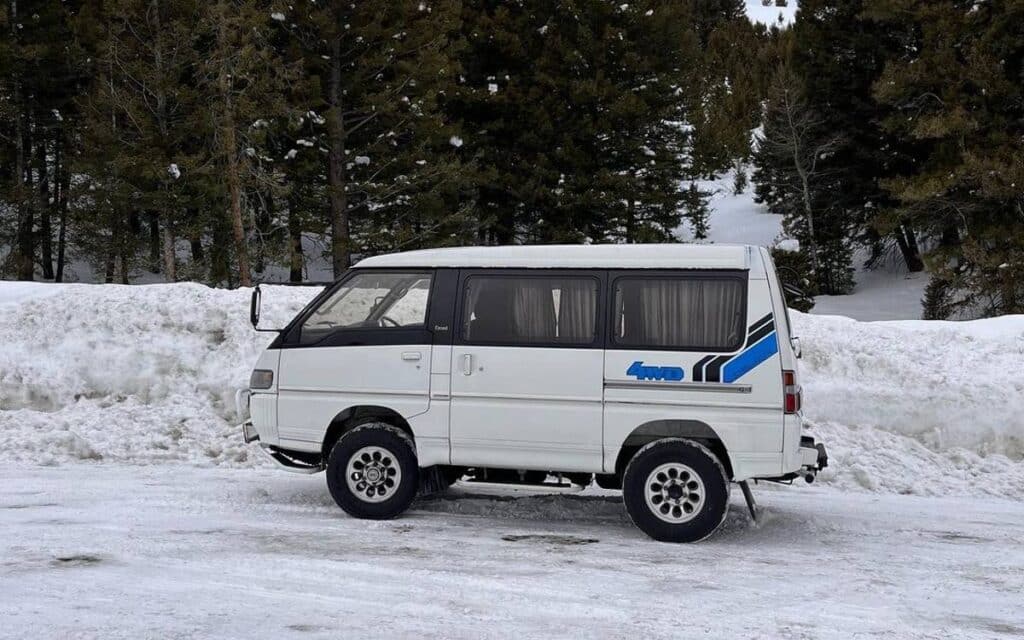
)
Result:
{"points": [[411, 355], [467, 364]]}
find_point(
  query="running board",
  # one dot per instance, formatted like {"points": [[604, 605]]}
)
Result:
{"points": [[547, 487], [291, 465]]}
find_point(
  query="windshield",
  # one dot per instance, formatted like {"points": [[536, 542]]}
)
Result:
{"points": [[371, 300]]}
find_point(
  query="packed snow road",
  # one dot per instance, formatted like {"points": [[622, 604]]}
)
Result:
{"points": [[111, 551]]}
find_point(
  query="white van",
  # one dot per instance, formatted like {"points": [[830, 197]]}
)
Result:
{"points": [[669, 371]]}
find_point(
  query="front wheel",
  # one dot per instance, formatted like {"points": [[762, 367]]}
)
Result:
{"points": [[372, 471], [676, 490]]}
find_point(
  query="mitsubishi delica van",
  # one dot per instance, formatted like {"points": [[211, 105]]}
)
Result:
{"points": [[666, 371]]}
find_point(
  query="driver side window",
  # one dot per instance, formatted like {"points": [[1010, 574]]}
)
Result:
{"points": [[371, 301]]}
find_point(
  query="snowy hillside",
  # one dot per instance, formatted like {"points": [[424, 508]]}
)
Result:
{"points": [[771, 14], [885, 293], [146, 374]]}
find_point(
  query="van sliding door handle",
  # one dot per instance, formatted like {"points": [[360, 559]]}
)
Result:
{"points": [[467, 364], [411, 355]]}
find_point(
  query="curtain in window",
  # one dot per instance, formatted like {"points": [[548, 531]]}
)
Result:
{"points": [[530, 310], [533, 310], [577, 310], [687, 313]]}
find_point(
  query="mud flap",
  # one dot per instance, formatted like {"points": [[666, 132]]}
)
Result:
{"points": [[748, 495]]}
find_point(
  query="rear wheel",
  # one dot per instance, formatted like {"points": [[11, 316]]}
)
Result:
{"points": [[372, 471], [676, 490]]}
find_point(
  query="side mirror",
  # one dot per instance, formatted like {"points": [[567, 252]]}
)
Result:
{"points": [[797, 350], [254, 306]]}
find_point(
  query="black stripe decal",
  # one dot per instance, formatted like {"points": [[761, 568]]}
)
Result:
{"points": [[759, 324], [713, 372], [698, 369], [709, 368], [760, 333]]}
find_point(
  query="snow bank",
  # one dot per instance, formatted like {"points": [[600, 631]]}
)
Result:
{"points": [[146, 374], [134, 373], [917, 406]]}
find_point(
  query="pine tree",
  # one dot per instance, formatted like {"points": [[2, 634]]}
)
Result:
{"points": [[143, 115], [793, 178], [957, 94], [696, 210], [40, 75], [839, 53], [572, 114], [383, 72]]}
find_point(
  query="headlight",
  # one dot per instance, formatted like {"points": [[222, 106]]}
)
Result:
{"points": [[261, 379]]}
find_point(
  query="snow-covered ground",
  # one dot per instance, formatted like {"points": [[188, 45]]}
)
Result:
{"points": [[176, 552]]}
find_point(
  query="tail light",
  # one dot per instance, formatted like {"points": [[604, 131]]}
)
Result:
{"points": [[792, 400]]}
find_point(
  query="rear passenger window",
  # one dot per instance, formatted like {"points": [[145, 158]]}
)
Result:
{"points": [[686, 313], [530, 310]]}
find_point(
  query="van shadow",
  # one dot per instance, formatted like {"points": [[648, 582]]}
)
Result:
{"points": [[593, 511]]}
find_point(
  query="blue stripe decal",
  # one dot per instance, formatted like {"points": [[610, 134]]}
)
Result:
{"points": [[749, 359]]}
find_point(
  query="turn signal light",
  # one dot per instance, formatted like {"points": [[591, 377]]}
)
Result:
{"points": [[792, 400], [261, 379]]}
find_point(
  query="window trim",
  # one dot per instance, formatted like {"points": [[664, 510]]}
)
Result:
{"points": [[598, 276], [741, 276], [363, 336]]}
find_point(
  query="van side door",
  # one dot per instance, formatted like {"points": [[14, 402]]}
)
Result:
{"points": [[364, 344], [526, 379]]}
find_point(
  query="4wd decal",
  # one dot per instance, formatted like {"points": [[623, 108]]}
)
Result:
{"points": [[640, 371]]}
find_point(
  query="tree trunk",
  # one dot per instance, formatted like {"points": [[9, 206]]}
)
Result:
{"points": [[195, 243], [24, 249], [341, 249], [170, 267], [64, 186], [907, 242], [45, 228], [631, 221], [220, 263], [123, 263], [230, 152], [154, 242], [295, 243]]}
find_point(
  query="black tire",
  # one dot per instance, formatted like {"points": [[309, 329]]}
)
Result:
{"points": [[608, 481], [400, 454], [707, 494]]}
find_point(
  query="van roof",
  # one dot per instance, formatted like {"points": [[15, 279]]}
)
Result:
{"points": [[601, 256]]}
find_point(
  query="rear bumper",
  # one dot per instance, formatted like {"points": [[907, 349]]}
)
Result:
{"points": [[812, 454], [813, 457]]}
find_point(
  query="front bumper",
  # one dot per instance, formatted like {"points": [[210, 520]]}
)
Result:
{"points": [[249, 433]]}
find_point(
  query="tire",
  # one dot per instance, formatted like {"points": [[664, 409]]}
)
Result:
{"points": [[608, 481], [390, 454], [676, 490]]}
